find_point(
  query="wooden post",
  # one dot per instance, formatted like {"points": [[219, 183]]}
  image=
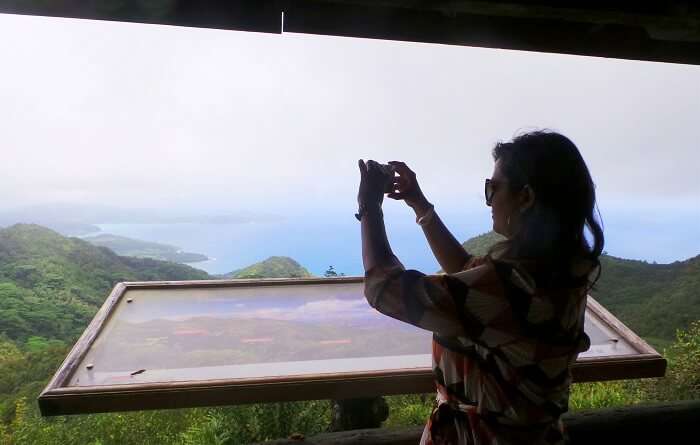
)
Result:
{"points": [[360, 413]]}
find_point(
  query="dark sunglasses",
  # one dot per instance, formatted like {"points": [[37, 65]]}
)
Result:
{"points": [[489, 189]]}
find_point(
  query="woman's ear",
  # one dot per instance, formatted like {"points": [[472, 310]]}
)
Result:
{"points": [[526, 198]]}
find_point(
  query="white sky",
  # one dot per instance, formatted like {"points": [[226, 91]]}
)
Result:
{"points": [[153, 116]]}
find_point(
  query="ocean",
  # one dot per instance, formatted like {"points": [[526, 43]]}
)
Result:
{"points": [[316, 245], [335, 240]]}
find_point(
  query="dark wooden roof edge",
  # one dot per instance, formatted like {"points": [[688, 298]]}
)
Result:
{"points": [[652, 31], [241, 15], [602, 32]]}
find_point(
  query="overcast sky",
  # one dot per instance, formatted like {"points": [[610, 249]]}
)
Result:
{"points": [[155, 116]]}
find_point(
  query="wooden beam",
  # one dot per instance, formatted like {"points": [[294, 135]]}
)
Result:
{"points": [[655, 31], [600, 31], [672, 422], [242, 15]]}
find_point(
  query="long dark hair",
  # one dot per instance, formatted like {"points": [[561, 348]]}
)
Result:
{"points": [[552, 231]]}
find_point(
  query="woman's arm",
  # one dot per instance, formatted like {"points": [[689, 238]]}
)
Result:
{"points": [[375, 245], [447, 250]]}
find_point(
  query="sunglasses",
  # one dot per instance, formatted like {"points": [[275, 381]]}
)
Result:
{"points": [[490, 187]]}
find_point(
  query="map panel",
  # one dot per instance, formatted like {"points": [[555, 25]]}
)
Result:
{"points": [[198, 334]]}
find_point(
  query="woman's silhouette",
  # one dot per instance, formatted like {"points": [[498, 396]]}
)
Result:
{"points": [[507, 326]]}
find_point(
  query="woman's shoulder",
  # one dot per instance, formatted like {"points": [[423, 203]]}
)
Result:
{"points": [[523, 281], [495, 255], [475, 261], [496, 275]]}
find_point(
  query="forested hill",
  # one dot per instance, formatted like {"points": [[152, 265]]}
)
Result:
{"points": [[51, 286], [654, 300], [480, 245], [273, 267]]}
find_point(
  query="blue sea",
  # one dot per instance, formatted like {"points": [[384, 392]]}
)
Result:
{"points": [[315, 244], [335, 240]]}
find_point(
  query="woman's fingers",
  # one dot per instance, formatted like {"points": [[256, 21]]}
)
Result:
{"points": [[403, 183], [405, 173], [363, 167], [401, 167], [396, 187], [373, 168], [402, 180], [377, 170], [397, 196]]}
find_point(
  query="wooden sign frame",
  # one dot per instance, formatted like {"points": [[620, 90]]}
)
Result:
{"points": [[58, 398]]}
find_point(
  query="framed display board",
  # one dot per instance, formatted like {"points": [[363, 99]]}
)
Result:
{"points": [[203, 343]]}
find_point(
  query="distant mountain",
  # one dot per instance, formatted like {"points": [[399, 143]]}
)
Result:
{"points": [[51, 286], [480, 245], [79, 219], [654, 300], [124, 246], [273, 267]]}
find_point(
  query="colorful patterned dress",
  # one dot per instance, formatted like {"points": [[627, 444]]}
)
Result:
{"points": [[501, 348]]}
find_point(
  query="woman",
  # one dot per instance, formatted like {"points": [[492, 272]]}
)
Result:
{"points": [[506, 326]]}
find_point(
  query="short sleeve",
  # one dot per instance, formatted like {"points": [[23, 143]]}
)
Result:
{"points": [[484, 303]]}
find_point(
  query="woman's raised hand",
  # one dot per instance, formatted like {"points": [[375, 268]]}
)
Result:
{"points": [[375, 179], [406, 187]]}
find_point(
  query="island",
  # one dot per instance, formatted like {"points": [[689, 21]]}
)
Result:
{"points": [[124, 246]]}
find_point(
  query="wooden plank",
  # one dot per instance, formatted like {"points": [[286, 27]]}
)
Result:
{"points": [[618, 368], [663, 33], [340, 386], [659, 423], [243, 15], [631, 14], [179, 395], [370, 436], [616, 325], [242, 282], [626, 33]]}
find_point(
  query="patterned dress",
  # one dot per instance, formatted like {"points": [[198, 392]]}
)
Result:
{"points": [[502, 348]]}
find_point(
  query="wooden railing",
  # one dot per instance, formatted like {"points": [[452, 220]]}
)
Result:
{"points": [[663, 423]]}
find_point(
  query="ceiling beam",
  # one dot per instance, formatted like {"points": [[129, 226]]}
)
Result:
{"points": [[662, 31], [663, 35], [241, 15]]}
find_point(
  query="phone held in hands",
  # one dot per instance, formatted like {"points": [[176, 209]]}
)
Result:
{"points": [[388, 169]]}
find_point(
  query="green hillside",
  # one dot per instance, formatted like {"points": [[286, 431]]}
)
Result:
{"points": [[51, 286], [124, 246], [654, 300], [480, 245], [273, 267]]}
